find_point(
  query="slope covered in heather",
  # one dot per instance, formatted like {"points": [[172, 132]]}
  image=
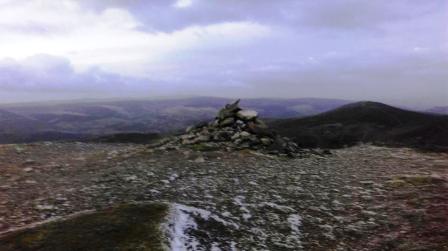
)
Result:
{"points": [[367, 122]]}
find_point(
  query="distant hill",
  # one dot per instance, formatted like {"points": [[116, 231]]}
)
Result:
{"points": [[367, 122], [15, 124], [137, 138], [128, 118], [439, 110]]}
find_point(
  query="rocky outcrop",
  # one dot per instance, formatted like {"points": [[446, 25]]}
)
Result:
{"points": [[235, 128]]}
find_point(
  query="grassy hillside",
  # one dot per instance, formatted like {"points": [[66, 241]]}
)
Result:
{"points": [[367, 122], [126, 227]]}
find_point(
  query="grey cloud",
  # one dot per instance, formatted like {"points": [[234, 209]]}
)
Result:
{"points": [[393, 51], [355, 14], [45, 73], [414, 79], [335, 14], [418, 79]]}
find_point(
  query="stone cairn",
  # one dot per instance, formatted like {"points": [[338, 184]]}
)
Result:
{"points": [[234, 129]]}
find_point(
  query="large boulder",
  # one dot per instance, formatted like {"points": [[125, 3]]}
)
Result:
{"points": [[247, 115]]}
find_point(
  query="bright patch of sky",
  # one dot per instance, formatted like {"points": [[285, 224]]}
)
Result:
{"points": [[183, 3]]}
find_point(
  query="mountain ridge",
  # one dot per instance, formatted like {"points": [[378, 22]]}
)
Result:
{"points": [[366, 121]]}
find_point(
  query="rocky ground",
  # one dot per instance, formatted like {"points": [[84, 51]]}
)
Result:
{"points": [[359, 198]]}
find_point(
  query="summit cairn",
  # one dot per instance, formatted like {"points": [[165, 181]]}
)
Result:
{"points": [[235, 128]]}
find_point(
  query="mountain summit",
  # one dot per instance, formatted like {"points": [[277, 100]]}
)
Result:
{"points": [[234, 128]]}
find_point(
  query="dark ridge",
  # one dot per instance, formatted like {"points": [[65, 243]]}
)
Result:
{"points": [[369, 112], [368, 122], [136, 138], [439, 110], [16, 138]]}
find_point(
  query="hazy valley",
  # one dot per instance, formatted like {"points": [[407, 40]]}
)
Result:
{"points": [[81, 120]]}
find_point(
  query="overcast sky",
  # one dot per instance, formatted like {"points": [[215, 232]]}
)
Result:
{"points": [[387, 50]]}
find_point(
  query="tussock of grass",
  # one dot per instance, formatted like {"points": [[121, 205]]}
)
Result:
{"points": [[203, 147], [414, 180], [125, 227]]}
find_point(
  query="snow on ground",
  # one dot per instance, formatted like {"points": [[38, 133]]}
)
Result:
{"points": [[188, 225], [238, 200], [179, 223], [295, 222], [182, 221]]}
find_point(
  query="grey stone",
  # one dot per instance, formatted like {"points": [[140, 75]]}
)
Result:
{"points": [[189, 129], [203, 138], [247, 115], [227, 122], [28, 169], [199, 159], [245, 135], [266, 141]]}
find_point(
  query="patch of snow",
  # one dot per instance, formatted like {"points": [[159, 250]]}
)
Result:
{"points": [[215, 247], [295, 221], [154, 191], [182, 221], [131, 178], [247, 216], [45, 207], [238, 200], [233, 246], [226, 214], [261, 235], [173, 177], [278, 207]]}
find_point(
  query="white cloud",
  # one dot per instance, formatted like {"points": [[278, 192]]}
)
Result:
{"points": [[111, 39], [183, 3], [283, 48]]}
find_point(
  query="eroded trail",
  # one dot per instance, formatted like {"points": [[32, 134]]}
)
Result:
{"points": [[363, 197]]}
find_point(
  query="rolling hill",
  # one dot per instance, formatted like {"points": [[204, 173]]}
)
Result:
{"points": [[439, 110], [367, 122], [84, 120]]}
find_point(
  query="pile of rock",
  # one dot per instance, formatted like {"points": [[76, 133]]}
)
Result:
{"points": [[235, 129]]}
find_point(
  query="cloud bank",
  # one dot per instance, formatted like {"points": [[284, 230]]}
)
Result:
{"points": [[394, 51]]}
